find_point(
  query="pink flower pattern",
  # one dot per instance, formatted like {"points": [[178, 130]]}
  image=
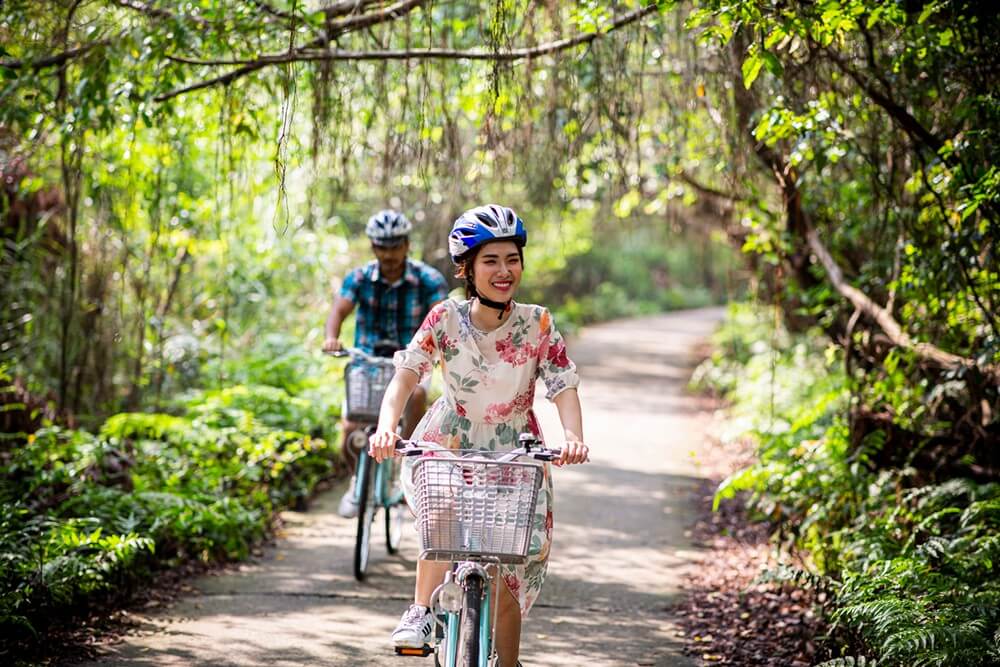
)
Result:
{"points": [[557, 355], [497, 413], [513, 584], [515, 355]]}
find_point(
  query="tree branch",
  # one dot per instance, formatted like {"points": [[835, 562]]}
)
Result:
{"points": [[337, 28], [347, 7], [274, 11], [906, 120], [700, 187], [309, 52], [72, 54], [56, 60], [333, 31], [150, 10], [886, 321]]}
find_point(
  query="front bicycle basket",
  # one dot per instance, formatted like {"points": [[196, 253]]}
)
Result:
{"points": [[365, 384], [475, 508]]}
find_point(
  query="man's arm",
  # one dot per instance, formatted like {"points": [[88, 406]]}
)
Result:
{"points": [[437, 288], [342, 307]]}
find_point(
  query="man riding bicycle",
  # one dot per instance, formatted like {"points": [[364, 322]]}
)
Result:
{"points": [[392, 295]]}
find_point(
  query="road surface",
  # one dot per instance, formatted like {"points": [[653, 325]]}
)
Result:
{"points": [[618, 557]]}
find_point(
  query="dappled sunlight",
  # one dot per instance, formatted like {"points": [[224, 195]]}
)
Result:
{"points": [[561, 638], [618, 557]]}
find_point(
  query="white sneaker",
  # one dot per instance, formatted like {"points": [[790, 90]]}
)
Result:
{"points": [[348, 507], [415, 628]]}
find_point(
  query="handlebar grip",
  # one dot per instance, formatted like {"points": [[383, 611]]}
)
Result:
{"points": [[407, 448], [338, 353], [547, 455]]}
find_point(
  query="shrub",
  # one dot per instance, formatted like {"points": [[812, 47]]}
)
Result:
{"points": [[911, 567], [82, 514]]}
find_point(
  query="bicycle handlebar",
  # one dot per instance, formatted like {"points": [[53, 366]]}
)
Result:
{"points": [[532, 448], [357, 354]]}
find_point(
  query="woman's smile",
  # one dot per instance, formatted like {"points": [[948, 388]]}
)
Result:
{"points": [[497, 270]]}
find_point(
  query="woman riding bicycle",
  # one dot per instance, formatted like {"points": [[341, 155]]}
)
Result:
{"points": [[491, 351]]}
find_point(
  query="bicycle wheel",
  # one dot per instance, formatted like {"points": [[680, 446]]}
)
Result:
{"points": [[469, 629], [395, 510], [366, 515]]}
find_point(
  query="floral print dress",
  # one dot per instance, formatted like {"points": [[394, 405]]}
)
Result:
{"points": [[489, 390]]}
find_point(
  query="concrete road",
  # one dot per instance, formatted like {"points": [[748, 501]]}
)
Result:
{"points": [[618, 557]]}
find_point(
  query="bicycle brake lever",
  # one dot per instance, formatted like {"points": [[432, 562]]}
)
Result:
{"points": [[403, 448]]}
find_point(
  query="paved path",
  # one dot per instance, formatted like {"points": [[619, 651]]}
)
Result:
{"points": [[617, 560]]}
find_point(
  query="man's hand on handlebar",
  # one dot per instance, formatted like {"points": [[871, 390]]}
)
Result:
{"points": [[382, 445], [332, 345]]}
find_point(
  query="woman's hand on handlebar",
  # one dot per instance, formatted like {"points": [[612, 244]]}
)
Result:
{"points": [[382, 444], [573, 451], [332, 345]]}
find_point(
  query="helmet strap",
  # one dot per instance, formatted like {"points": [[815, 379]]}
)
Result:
{"points": [[501, 306]]}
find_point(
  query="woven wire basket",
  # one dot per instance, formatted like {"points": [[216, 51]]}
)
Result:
{"points": [[475, 508], [365, 383]]}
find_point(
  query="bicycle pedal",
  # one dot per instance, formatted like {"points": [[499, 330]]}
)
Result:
{"points": [[421, 652]]}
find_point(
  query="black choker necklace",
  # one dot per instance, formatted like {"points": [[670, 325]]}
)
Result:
{"points": [[495, 305]]}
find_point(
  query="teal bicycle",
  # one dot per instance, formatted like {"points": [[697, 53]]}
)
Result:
{"points": [[376, 485], [476, 510]]}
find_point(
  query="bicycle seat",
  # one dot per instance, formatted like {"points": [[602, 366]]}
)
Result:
{"points": [[385, 348]]}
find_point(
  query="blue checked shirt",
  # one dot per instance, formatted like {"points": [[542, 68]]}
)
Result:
{"points": [[391, 312]]}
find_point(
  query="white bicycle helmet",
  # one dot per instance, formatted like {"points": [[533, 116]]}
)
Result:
{"points": [[388, 228]]}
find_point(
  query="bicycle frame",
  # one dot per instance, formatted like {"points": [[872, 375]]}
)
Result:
{"points": [[372, 483], [383, 473]]}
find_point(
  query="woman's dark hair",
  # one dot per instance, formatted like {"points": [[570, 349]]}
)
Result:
{"points": [[466, 262]]}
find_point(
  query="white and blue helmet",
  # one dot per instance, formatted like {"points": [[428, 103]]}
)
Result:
{"points": [[388, 228], [484, 224]]}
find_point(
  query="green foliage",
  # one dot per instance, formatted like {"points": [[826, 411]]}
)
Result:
{"points": [[909, 568], [270, 405], [637, 271], [82, 515]]}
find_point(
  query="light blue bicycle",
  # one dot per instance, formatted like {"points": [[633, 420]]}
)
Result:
{"points": [[376, 486], [476, 510]]}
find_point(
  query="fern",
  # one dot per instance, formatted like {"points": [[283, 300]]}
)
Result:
{"points": [[787, 574], [849, 661], [910, 568]]}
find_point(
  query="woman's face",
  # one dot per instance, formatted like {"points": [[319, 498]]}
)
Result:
{"points": [[497, 270]]}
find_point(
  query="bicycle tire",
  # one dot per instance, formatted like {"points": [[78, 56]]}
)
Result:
{"points": [[366, 515], [469, 628], [395, 514]]}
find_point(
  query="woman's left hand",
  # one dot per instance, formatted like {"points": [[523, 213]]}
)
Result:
{"points": [[573, 451]]}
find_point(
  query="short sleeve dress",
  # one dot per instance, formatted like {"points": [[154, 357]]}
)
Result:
{"points": [[489, 390]]}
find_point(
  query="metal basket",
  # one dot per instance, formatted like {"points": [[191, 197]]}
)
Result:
{"points": [[475, 508], [365, 383]]}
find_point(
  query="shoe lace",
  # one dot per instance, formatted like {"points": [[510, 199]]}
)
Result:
{"points": [[414, 615]]}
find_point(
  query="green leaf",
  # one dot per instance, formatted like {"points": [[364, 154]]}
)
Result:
{"points": [[751, 68], [772, 64]]}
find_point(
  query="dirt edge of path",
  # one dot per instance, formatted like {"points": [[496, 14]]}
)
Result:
{"points": [[728, 617]]}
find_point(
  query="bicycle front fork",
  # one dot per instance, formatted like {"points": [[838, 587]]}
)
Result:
{"points": [[466, 587]]}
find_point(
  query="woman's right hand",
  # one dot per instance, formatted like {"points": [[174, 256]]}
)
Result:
{"points": [[382, 444]]}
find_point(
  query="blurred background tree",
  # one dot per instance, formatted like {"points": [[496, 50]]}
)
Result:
{"points": [[181, 178]]}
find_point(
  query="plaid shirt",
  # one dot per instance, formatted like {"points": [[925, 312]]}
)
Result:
{"points": [[391, 312]]}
